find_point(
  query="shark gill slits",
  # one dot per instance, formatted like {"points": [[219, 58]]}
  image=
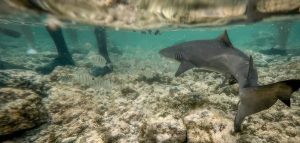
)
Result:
{"points": [[178, 56]]}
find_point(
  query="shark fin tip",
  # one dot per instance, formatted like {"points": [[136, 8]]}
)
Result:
{"points": [[294, 84], [287, 102]]}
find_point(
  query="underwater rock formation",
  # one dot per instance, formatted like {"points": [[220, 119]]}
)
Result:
{"points": [[20, 110], [142, 98], [26, 79]]}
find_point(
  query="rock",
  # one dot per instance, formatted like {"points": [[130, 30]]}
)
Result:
{"points": [[25, 80], [20, 110], [164, 130]]}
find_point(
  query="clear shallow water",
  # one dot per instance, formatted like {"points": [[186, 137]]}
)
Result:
{"points": [[142, 94], [242, 36]]}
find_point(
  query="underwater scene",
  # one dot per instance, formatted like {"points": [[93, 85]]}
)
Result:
{"points": [[85, 81]]}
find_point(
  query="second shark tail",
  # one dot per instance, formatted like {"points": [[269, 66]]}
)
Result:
{"points": [[255, 98], [259, 98], [292, 86]]}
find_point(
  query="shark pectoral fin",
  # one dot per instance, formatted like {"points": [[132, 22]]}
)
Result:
{"points": [[184, 66]]}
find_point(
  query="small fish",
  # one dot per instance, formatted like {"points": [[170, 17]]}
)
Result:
{"points": [[157, 32], [10, 33], [31, 52], [143, 32]]}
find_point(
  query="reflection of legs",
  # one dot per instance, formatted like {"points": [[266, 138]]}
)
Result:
{"points": [[64, 57], [28, 36], [100, 34]]}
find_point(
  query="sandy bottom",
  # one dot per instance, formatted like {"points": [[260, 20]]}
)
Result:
{"points": [[142, 101]]}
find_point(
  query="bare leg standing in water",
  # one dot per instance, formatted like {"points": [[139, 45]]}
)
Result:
{"points": [[100, 34], [284, 29], [64, 57]]}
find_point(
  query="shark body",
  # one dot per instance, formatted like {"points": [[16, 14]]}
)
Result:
{"points": [[219, 55]]}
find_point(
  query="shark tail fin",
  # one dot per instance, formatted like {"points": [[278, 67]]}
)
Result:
{"points": [[282, 90], [292, 86], [264, 97]]}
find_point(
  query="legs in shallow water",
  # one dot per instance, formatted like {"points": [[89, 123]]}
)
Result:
{"points": [[64, 57], [283, 28], [100, 34]]}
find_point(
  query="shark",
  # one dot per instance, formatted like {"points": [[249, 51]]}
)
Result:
{"points": [[254, 99], [219, 55]]}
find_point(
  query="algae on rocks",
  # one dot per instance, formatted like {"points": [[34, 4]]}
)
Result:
{"points": [[20, 110]]}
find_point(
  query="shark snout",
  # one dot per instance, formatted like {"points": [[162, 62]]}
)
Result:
{"points": [[166, 53], [162, 52]]}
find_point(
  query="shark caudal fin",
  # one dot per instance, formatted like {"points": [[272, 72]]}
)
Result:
{"points": [[290, 86], [281, 90], [259, 98]]}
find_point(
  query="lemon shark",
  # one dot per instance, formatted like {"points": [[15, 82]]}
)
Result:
{"points": [[219, 55], [214, 55]]}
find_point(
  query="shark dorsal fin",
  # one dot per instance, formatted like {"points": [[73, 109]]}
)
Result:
{"points": [[225, 39], [250, 70]]}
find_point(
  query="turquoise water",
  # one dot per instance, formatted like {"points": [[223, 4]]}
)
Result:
{"points": [[242, 36], [141, 100]]}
